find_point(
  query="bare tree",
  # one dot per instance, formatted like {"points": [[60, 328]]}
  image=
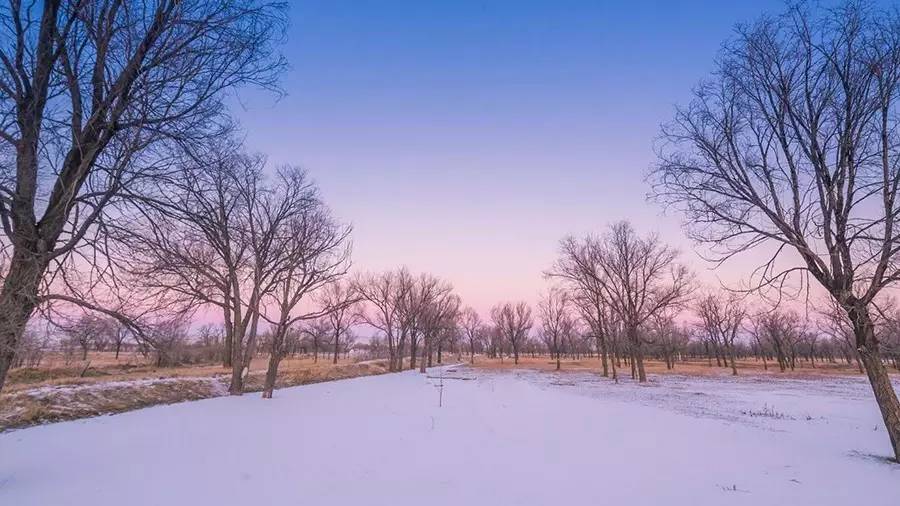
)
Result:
{"points": [[32, 347], [311, 254], [556, 321], [781, 331], [793, 143], [721, 317], [640, 279], [579, 267], [93, 95], [168, 338], [437, 308], [120, 333], [339, 301], [83, 331], [495, 340], [385, 294], [235, 239], [513, 321], [835, 323], [668, 338], [317, 330], [473, 330], [209, 339]]}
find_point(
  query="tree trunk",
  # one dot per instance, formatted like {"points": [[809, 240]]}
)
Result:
{"points": [[426, 353], [276, 352], [271, 374], [239, 356], [401, 345], [17, 302], [731, 357], [229, 340], [603, 354], [237, 369], [337, 346], [614, 363], [637, 355], [392, 353], [867, 345], [642, 374]]}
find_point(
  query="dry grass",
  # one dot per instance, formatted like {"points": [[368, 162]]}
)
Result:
{"points": [[103, 367], [690, 367], [101, 385]]}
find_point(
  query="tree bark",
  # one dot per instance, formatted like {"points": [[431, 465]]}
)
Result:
{"points": [[276, 353], [337, 347], [18, 299], [237, 368], [229, 336], [426, 353], [867, 346], [603, 354], [637, 355], [731, 357], [271, 375]]}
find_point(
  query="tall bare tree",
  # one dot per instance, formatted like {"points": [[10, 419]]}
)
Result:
{"points": [[473, 329], [834, 322], [513, 321], [640, 278], [579, 267], [317, 331], [721, 318], [231, 237], [793, 144], [93, 97], [384, 294], [556, 321], [339, 300], [437, 309], [312, 254]]}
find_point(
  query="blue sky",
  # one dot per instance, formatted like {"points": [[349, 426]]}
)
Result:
{"points": [[466, 138]]}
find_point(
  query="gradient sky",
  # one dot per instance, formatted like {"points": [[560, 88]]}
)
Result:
{"points": [[466, 138]]}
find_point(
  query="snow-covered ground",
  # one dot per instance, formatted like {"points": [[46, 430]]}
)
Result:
{"points": [[522, 438]]}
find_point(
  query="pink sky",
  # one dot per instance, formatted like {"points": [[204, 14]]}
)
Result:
{"points": [[465, 140]]}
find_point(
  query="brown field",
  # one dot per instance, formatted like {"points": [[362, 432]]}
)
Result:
{"points": [[692, 367], [57, 391]]}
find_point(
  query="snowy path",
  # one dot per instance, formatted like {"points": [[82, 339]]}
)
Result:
{"points": [[506, 438]]}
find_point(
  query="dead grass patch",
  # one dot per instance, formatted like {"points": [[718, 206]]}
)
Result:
{"points": [[51, 395]]}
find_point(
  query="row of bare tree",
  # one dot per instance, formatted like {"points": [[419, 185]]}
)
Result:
{"points": [[790, 150], [109, 110]]}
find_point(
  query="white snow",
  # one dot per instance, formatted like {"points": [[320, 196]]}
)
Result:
{"points": [[523, 438]]}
